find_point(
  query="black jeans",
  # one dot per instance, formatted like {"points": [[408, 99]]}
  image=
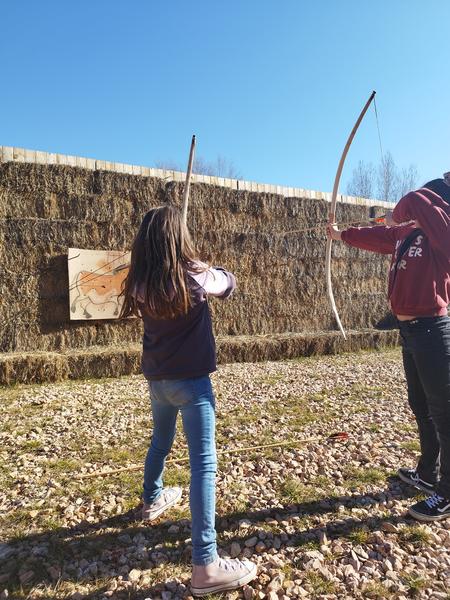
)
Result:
{"points": [[426, 358]]}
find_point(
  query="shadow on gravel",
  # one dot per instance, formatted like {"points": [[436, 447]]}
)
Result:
{"points": [[48, 554]]}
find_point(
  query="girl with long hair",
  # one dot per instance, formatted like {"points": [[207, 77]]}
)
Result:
{"points": [[167, 286]]}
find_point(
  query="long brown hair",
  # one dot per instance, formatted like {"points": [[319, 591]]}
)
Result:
{"points": [[161, 255]]}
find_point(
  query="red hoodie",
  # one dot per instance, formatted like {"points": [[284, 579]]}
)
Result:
{"points": [[420, 285]]}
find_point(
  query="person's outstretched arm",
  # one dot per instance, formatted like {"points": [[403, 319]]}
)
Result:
{"points": [[380, 239]]}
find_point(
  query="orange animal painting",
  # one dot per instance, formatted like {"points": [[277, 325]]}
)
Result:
{"points": [[96, 278]]}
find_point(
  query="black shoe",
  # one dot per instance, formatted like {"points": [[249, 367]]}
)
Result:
{"points": [[433, 508], [412, 477]]}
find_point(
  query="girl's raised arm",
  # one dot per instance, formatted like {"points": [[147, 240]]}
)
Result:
{"points": [[216, 281]]}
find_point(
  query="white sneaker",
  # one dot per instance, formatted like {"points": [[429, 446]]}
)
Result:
{"points": [[221, 575], [169, 496]]}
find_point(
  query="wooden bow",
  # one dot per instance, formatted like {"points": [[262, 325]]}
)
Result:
{"points": [[332, 214], [187, 183]]}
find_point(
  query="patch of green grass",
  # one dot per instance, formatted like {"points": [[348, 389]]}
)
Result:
{"points": [[49, 523], [415, 534], [276, 529], [18, 523], [9, 426], [376, 590], [411, 445], [256, 455], [61, 590], [318, 396], [374, 428], [407, 427], [287, 569], [306, 544], [388, 352], [360, 477], [415, 584], [320, 585], [64, 465], [361, 388], [94, 488], [235, 499], [359, 536], [28, 415], [177, 513], [270, 379], [19, 516], [117, 456], [177, 476], [290, 412], [130, 487], [295, 411], [321, 481], [237, 505], [31, 445], [14, 528], [296, 492], [11, 393], [235, 418], [360, 409], [6, 479]]}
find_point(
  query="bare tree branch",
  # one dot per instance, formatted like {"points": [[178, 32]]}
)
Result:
{"points": [[408, 180], [221, 167], [387, 179], [386, 182], [361, 183]]}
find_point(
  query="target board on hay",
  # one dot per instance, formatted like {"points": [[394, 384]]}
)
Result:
{"points": [[95, 282]]}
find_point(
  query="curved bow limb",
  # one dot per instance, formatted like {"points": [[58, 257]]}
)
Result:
{"points": [[187, 183], [332, 214]]}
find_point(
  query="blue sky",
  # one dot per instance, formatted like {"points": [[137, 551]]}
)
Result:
{"points": [[273, 85]]}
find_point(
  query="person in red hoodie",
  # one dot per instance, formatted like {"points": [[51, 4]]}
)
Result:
{"points": [[419, 293]]}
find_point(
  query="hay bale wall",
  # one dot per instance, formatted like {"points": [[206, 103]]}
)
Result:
{"points": [[44, 209]]}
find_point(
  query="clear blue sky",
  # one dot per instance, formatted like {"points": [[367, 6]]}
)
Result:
{"points": [[273, 85]]}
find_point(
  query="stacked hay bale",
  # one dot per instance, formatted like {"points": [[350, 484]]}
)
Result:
{"points": [[45, 209]]}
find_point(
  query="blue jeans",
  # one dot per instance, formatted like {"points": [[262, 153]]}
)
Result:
{"points": [[194, 398]]}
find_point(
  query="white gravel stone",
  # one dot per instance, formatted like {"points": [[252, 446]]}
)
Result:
{"points": [[319, 506]]}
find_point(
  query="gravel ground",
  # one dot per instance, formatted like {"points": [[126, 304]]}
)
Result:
{"points": [[322, 519]]}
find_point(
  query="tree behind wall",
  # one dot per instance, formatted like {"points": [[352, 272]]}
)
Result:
{"points": [[361, 183], [385, 182], [387, 179], [408, 179], [220, 167]]}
